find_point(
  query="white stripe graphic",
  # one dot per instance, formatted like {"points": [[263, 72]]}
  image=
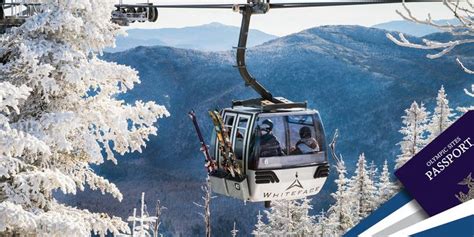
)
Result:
{"points": [[388, 222], [455, 213]]}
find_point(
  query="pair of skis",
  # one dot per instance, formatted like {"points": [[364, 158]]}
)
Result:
{"points": [[210, 162], [229, 162]]}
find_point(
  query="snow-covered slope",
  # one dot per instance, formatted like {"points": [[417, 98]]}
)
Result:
{"points": [[359, 80]]}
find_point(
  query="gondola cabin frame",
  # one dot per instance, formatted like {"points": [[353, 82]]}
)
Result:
{"points": [[270, 178]]}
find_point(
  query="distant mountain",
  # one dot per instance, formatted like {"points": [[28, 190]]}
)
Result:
{"points": [[359, 80], [412, 28], [209, 37]]}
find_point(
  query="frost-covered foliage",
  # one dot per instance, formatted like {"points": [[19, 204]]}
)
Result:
{"points": [[145, 225], [341, 212], [234, 231], [385, 188], [287, 218], [59, 114], [462, 33], [414, 131], [442, 116], [207, 198], [356, 197], [325, 227], [363, 190], [261, 229]]}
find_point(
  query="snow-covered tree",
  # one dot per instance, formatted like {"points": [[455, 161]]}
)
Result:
{"points": [[385, 187], [324, 226], [442, 116], [59, 114], [287, 218], [158, 211], [373, 170], [206, 215], [261, 229], [234, 231], [462, 33], [143, 225], [414, 131], [304, 223], [340, 213], [363, 190]]}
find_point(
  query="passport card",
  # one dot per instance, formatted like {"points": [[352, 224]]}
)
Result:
{"points": [[441, 175]]}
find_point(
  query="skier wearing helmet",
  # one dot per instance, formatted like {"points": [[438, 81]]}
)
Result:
{"points": [[307, 144], [269, 144]]}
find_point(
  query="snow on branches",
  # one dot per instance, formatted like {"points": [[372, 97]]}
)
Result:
{"points": [[420, 126], [462, 32], [414, 131], [147, 225], [60, 113], [287, 218], [341, 213], [355, 198], [442, 116]]}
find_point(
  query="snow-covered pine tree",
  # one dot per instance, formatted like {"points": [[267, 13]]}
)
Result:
{"points": [[414, 131], [373, 170], [363, 190], [59, 113], [279, 218], [385, 187], [143, 225], [261, 229], [288, 218], [324, 226], [304, 223], [234, 231], [340, 213], [442, 117], [207, 198]]}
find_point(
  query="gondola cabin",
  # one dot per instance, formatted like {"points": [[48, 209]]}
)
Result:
{"points": [[282, 154]]}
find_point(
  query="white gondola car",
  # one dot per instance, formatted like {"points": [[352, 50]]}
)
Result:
{"points": [[282, 154]]}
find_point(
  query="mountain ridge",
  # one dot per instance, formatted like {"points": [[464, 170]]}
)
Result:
{"points": [[209, 37]]}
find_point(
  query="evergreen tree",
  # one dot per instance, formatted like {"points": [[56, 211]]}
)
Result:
{"points": [[304, 223], [60, 114], [373, 170], [363, 190], [340, 213], [324, 227], [442, 117], [287, 218], [142, 225], [385, 187], [414, 131], [261, 229]]}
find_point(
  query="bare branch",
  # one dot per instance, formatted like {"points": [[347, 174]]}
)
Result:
{"points": [[463, 67], [466, 28]]}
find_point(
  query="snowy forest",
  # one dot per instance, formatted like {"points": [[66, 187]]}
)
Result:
{"points": [[61, 114], [356, 197]]}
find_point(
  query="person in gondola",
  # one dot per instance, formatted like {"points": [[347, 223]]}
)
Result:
{"points": [[269, 144], [307, 144]]}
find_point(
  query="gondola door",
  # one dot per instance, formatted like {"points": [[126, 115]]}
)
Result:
{"points": [[240, 139]]}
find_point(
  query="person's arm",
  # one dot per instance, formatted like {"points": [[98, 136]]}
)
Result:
{"points": [[314, 144]]}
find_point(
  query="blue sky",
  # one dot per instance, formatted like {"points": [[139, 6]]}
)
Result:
{"points": [[286, 21]]}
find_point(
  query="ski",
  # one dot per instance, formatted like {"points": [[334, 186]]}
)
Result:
{"points": [[210, 162], [225, 145]]}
